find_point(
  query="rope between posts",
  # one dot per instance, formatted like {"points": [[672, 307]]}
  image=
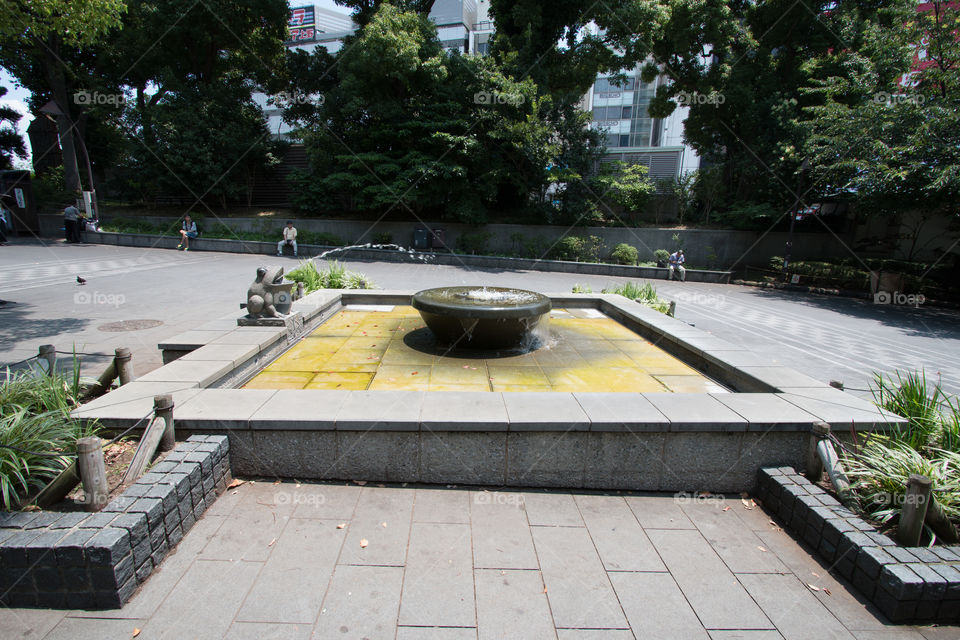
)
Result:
{"points": [[14, 364], [43, 454], [81, 353]]}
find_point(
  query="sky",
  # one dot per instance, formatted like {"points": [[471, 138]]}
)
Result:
{"points": [[17, 97]]}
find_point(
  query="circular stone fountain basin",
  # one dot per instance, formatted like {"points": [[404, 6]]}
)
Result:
{"points": [[481, 317]]}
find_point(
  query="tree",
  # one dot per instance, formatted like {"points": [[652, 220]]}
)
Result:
{"points": [[11, 144], [895, 148], [34, 34], [627, 185], [407, 128], [364, 10], [742, 69]]}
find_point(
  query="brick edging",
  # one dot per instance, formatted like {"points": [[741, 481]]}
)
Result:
{"points": [[79, 560], [908, 584]]}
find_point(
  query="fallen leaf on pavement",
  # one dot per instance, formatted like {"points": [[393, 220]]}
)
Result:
{"points": [[272, 542], [341, 525], [726, 508], [360, 482], [383, 524], [827, 591], [762, 549], [236, 483], [544, 588], [364, 543], [136, 632], [813, 587]]}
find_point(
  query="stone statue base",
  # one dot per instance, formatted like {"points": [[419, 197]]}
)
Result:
{"points": [[292, 322]]}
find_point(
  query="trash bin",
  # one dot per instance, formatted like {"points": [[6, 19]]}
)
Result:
{"points": [[438, 240], [421, 239]]}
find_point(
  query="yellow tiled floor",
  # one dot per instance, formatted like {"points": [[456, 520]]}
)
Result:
{"points": [[363, 349]]}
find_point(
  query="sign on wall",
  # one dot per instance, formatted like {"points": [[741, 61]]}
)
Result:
{"points": [[302, 25]]}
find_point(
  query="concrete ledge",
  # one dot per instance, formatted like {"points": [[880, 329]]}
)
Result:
{"points": [[78, 560], [908, 584], [382, 255]]}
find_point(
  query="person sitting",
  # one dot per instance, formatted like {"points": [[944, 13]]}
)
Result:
{"points": [[289, 238], [188, 230], [676, 265]]}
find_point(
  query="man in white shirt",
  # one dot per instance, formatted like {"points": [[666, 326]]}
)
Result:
{"points": [[676, 265], [289, 237]]}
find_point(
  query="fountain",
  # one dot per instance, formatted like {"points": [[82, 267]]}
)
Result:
{"points": [[481, 317]]}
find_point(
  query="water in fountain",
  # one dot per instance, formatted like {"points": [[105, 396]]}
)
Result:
{"points": [[411, 253]]}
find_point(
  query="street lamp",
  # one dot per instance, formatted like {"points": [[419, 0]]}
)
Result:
{"points": [[793, 215], [52, 110]]}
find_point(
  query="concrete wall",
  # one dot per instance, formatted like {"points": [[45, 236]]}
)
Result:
{"points": [[705, 248]]}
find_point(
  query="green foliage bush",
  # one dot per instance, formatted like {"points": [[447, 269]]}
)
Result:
{"points": [[661, 256], [624, 253], [474, 242], [578, 249], [35, 417], [333, 276], [645, 294]]}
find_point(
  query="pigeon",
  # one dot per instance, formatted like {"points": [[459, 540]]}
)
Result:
{"points": [[81, 280]]}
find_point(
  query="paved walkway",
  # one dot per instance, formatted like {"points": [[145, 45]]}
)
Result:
{"points": [[277, 561]]}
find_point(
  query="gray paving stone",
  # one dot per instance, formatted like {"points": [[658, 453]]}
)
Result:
{"points": [[711, 589], [435, 633], [31, 624], [578, 589], [791, 606], [537, 458], [202, 372], [92, 629], [782, 377], [533, 411], [294, 578], [386, 545], [512, 604], [551, 509], [501, 535], [696, 411], [659, 511], [235, 353], [124, 406], [385, 456], [463, 458], [205, 601], [624, 460], [594, 634], [835, 407], [221, 408], [621, 412], [737, 546], [618, 537], [193, 339], [381, 410], [463, 411], [442, 505], [299, 409], [670, 617], [361, 602], [764, 410], [326, 501], [247, 533], [250, 336], [267, 631], [744, 634], [438, 581]]}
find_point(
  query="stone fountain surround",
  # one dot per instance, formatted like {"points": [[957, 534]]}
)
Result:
{"points": [[642, 441]]}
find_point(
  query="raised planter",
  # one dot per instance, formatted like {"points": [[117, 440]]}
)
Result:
{"points": [[382, 255], [908, 584], [79, 560]]}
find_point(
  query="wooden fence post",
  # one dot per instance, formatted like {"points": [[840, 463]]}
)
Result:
{"points": [[93, 473], [122, 357], [163, 408], [48, 352], [914, 509]]}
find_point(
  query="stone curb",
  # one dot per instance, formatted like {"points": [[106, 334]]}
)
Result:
{"points": [[908, 584], [382, 255], [78, 560]]}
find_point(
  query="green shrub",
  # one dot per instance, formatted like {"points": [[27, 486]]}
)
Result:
{"points": [[35, 417], [578, 249], [623, 253], [645, 294], [383, 238], [333, 276], [662, 256], [582, 288], [473, 242]]}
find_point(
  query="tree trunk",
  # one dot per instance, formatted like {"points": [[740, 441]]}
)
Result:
{"points": [[58, 87]]}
